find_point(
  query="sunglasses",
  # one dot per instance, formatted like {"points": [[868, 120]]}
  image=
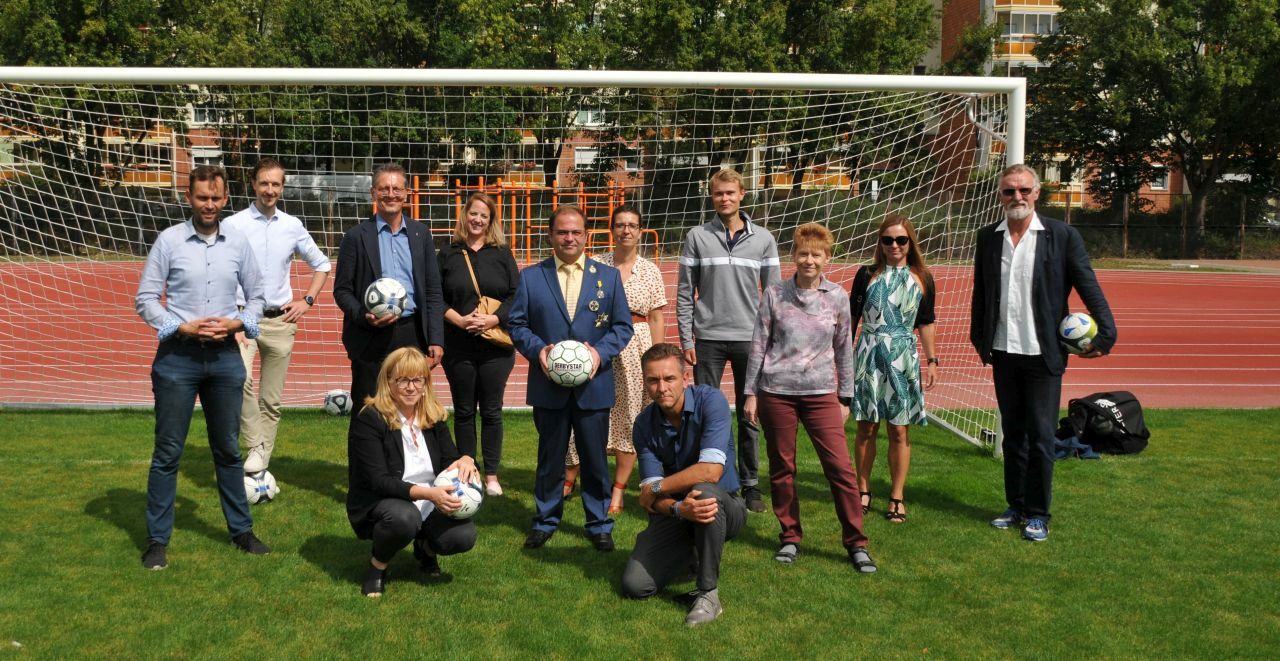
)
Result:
{"points": [[890, 240], [1008, 192]]}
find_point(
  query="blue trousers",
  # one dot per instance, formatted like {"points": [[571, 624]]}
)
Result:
{"points": [[180, 372], [591, 433]]}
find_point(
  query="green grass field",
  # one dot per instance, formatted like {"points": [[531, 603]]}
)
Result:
{"points": [[1168, 554]]}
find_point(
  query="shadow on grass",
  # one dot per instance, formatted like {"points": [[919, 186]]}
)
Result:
{"points": [[315, 475], [346, 558], [126, 509]]}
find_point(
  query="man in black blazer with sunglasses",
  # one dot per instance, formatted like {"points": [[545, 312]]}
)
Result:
{"points": [[1024, 270]]}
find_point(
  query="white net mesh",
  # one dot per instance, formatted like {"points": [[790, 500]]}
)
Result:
{"points": [[89, 174]]}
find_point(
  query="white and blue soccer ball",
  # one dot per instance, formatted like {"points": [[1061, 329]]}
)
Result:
{"points": [[260, 487], [337, 402], [385, 297], [1076, 332], [569, 363], [468, 492]]}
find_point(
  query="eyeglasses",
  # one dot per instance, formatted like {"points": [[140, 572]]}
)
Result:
{"points": [[394, 192], [1008, 192], [890, 240], [634, 227], [416, 381]]}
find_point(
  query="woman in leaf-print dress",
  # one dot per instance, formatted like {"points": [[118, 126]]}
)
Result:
{"points": [[891, 297]]}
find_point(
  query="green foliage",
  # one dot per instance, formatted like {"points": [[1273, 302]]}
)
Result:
{"points": [[1120, 577], [1130, 83]]}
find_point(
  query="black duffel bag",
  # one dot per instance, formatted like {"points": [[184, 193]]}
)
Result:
{"points": [[1108, 422]]}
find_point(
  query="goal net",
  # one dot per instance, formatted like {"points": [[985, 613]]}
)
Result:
{"points": [[93, 164]]}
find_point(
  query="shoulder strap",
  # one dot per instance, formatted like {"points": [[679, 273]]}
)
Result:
{"points": [[472, 271]]}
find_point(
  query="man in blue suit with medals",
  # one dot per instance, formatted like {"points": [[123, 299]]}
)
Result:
{"points": [[570, 297]]}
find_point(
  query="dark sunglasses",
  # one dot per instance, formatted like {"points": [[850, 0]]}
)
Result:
{"points": [[890, 240], [1008, 192]]}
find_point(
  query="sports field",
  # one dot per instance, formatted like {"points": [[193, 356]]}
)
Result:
{"points": [[1169, 554]]}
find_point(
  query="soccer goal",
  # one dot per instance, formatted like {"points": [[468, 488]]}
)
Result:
{"points": [[93, 164]]}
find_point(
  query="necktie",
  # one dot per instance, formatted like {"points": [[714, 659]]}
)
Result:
{"points": [[570, 289]]}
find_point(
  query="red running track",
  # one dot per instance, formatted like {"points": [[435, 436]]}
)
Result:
{"points": [[68, 334]]}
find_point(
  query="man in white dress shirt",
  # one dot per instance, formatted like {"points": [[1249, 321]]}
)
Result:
{"points": [[1025, 268], [275, 237]]}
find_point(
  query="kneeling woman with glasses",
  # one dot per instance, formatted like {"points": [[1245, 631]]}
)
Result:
{"points": [[396, 446]]}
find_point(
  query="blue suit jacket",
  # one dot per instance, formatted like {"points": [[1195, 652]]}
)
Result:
{"points": [[538, 317]]}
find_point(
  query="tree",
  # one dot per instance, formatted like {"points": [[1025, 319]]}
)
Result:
{"points": [[1130, 83]]}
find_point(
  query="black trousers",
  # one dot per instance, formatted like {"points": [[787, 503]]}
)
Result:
{"points": [[1028, 397], [478, 378], [397, 522], [666, 548], [712, 356], [365, 367]]}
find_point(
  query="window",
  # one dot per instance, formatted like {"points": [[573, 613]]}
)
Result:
{"points": [[589, 117], [631, 160], [585, 157], [1160, 178]]}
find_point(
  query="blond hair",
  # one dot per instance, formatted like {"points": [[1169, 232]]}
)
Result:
{"points": [[407, 362], [493, 235], [726, 176]]}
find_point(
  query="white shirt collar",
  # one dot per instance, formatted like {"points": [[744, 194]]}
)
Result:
{"points": [[1035, 226]]}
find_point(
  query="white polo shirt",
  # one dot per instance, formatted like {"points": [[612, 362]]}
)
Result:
{"points": [[275, 241], [1016, 323]]}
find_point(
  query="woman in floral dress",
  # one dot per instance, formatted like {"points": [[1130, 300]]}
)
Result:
{"points": [[646, 296], [891, 297]]}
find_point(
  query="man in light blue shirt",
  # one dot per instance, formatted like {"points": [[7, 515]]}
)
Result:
{"points": [[275, 237], [198, 268]]}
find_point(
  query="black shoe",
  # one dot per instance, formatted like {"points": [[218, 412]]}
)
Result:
{"points": [[248, 543], [426, 559], [537, 538], [755, 502], [603, 542], [374, 582], [154, 558]]}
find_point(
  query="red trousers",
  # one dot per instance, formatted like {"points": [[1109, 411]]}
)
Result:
{"points": [[780, 416]]}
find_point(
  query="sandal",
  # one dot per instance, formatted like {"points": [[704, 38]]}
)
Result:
{"points": [[426, 558], [617, 509], [374, 581], [895, 513], [568, 488], [787, 553], [866, 501]]}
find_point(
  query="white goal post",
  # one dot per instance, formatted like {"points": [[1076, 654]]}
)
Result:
{"points": [[93, 162]]}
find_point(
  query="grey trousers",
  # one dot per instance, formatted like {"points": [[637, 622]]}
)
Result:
{"points": [[665, 549]]}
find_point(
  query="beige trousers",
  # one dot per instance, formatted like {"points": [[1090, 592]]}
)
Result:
{"points": [[260, 411]]}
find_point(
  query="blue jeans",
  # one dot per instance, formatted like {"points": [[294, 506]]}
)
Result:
{"points": [[216, 373]]}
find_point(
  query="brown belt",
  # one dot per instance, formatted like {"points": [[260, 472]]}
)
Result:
{"points": [[639, 318]]}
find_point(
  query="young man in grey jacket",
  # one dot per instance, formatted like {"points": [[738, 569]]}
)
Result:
{"points": [[725, 265]]}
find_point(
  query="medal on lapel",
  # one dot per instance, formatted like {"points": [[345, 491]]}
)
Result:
{"points": [[601, 319], [594, 306], [592, 268]]}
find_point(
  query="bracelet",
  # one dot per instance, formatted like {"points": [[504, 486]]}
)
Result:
{"points": [[675, 509]]}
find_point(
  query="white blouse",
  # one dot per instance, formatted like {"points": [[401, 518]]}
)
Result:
{"points": [[417, 462]]}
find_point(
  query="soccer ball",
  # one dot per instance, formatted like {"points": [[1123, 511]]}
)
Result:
{"points": [[468, 492], [337, 402], [1076, 333], [385, 297], [569, 363], [260, 487]]}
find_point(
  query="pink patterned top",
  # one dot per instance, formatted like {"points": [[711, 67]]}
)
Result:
{"points": [[803, 344]]}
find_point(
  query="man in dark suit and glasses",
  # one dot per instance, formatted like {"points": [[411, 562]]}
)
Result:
{"points": [[387, 245], [1025, 267]]}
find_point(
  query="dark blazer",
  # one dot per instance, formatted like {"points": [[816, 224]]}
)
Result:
{"points": [[538, 317], [1061, 264], [375, 464], [360, 263]]}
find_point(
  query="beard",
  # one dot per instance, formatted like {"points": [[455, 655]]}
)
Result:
{"points": [[1017, 213]]}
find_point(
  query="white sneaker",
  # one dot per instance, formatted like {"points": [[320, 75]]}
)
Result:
{"points": [[492, 488], [255, 461]]}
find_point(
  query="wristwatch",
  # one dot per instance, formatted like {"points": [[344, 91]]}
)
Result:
{"points": [[932, 361], [656, 488], [311, 300]]}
